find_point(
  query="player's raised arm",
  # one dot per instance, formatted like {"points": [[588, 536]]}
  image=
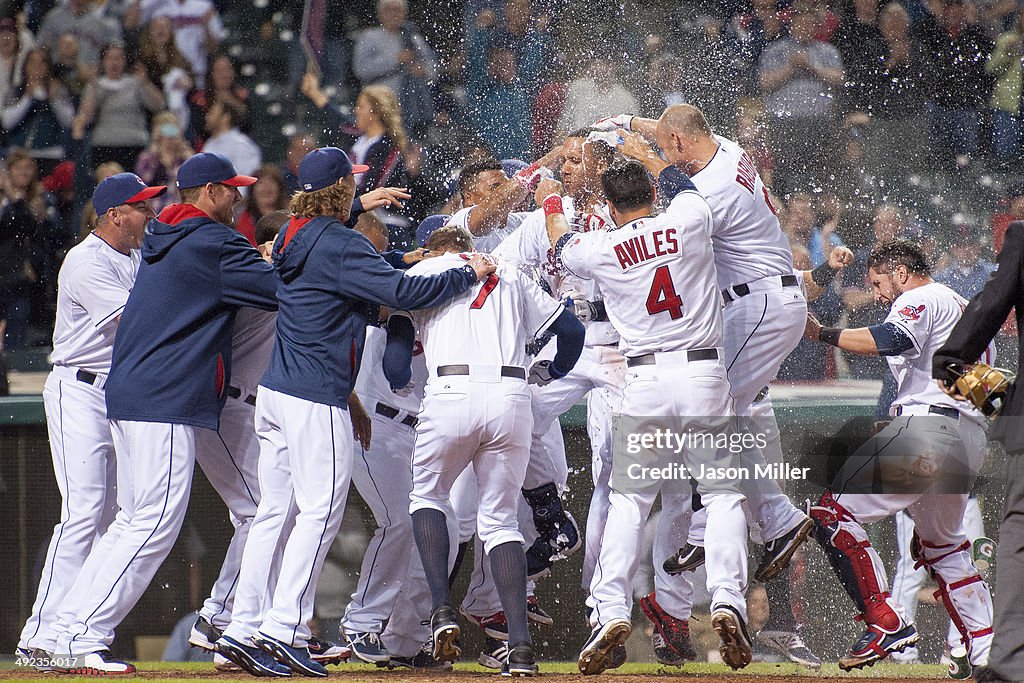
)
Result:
{"points": [[818, 280]]}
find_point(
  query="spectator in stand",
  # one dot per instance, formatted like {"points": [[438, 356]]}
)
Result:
{"points": [[809, 361], [382, 140], [895, 140], [221, 86], [166, 67], [159, 163], [751, 136], [23, 223], [529, 40], [594, 95], [36, 112], [800, 77], [77, 18], [801, 226], [72, 72], [222, 123], [500, 106], [13, 50], [756, 29], [862, 47], [197, 30], [60, 185], [968, 272], [959, 51], [548, 108], [116, 105], [266, 196], [395, 54], [300, 144], [713, 74], [1005, 67]]}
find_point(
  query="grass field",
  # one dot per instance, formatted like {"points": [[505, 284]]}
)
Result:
{"points": [[169, 672]]}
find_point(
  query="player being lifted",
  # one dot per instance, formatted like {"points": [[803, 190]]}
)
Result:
{"points": [[673, 350]]}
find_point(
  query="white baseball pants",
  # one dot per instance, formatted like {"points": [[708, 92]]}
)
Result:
{"points": [[84, 465], [154, 475], [383, 476], [229, 458], [671, 387], [305, 462]]}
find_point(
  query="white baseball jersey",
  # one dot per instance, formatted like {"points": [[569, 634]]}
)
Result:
{"points": [[529, 246], [252, 342], [666, 263], [372, 385], [472, 328], [927, 314], [485, 244], [92, 288], [749, 243]]}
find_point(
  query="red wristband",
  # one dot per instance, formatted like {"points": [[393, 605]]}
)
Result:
{"points": [[552, 204]]}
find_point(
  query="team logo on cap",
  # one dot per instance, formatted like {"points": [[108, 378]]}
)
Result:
{"points": [[912, 312]]}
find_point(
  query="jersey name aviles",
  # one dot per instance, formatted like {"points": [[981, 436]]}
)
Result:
{"points": [[92, 288], [658, 278], [927, 315], [487, 325], [748, 240]]}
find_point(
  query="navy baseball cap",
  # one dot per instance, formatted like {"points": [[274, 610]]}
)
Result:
{"points": [[325, 166], [428, 226], [512, 166], [122, 188], [210, 167]]}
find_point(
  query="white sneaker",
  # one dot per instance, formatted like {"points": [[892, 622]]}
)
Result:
{"points": [[223, 664], [97, 664], [907, 656]]}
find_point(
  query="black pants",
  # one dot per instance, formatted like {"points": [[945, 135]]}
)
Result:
{"points": [[1007, 656]]}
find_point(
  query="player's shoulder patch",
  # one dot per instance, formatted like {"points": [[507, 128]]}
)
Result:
{"points": [[911, 313]]}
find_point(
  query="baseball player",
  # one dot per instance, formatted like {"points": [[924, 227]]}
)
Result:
{"points": [[930, 435], [676, 367], [92, 287], [476, 404], [764, 306], [329, 276], [601, 365], [169, 376]]}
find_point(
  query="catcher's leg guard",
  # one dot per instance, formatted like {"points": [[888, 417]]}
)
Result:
{"points": [[860, 571], [963, 593], [855, 562]]}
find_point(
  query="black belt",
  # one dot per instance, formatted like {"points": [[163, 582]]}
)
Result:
{"points": [[235, 392], [87, 377], [937, 410], [691, 356], [506, 371], [733, 293], [391, 413]]}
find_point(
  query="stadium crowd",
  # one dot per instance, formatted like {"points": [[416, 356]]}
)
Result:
{"points": [[867, 119]]}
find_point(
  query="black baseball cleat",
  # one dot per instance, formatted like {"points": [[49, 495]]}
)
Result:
{"points": [[536, 613], [326, 652], [297, 659], [875, 644], [251, 659], [422, 661], [444, 630], [521, 661], [790, 644], [494, 654], [204, 635], [687, 559], [597, 654], [779, 551], [732, 630]]}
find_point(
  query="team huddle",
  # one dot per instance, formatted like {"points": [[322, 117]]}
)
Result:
{"points": [[653, 279]]}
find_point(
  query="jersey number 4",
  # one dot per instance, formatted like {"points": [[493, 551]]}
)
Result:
{"points": [[662, 296]]}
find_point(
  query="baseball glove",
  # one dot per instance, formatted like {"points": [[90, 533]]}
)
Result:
{"points": [[982, 385]]}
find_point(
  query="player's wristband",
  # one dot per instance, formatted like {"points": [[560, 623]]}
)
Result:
{"points": [[552, 204], [528, 177], [829, 335], [824, 275]]}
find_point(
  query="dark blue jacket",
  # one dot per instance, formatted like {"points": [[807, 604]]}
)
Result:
{"points": [[331, 277], [172, 352]]}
